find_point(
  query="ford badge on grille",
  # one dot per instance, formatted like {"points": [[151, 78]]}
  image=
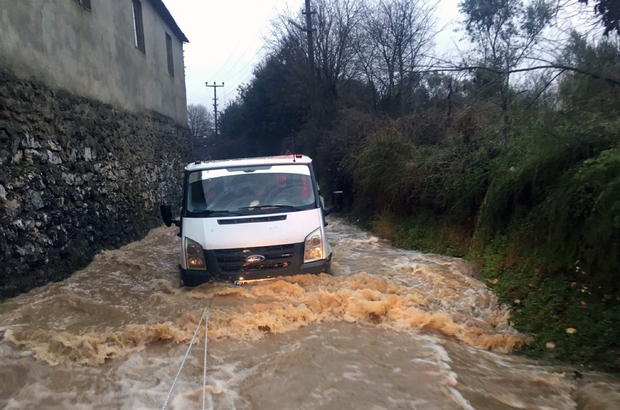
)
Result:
{"points": [[254, 258]]}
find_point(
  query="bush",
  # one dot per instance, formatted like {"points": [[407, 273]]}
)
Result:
{"points": [[392, 174], [539, 211], [581, 217]]}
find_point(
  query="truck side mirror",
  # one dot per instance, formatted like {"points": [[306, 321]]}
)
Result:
{"points": [[337, 197], [336, 203], [166, 215]]}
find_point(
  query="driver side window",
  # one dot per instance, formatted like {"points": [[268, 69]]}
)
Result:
{"points": [[197, 202], [295, 191]]}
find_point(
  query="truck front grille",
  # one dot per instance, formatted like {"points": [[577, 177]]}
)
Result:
{"points": [[234, 260]]}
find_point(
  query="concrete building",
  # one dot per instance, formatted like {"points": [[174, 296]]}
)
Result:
{"points": [[128, 53], [93, 131]]}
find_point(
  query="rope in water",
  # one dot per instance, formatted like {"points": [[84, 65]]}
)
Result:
{"points": [[191, 343], [204, 372]]}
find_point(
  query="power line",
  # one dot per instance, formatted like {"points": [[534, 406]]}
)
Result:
{"points": [[248, 47], [240, 59], [236, 75], [229, 57], [242, 71], [240, 76]]}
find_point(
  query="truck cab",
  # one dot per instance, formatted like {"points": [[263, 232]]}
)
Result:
{"points": [[250, 219]]}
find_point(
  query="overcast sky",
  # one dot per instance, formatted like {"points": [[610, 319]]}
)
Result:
{"points": [[226, 39]]}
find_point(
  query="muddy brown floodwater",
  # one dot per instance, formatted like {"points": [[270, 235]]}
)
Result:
{"points": [[392, 329]]}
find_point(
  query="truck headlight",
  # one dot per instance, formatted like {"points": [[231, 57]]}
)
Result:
{"points": [[313, 246], [194, 255]]}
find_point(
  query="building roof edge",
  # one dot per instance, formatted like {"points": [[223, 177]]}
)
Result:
{"points": [[163, 11]]}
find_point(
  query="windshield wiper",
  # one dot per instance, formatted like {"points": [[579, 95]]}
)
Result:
{"points": [[268, 207]]}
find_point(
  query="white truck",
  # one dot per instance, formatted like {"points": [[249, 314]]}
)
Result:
{"points": [[250, 219]]}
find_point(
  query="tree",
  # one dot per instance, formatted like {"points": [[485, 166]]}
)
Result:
{"points": [[506, 32], [199, 121], [335, 24], [269, 110], [396, 35], [608, 11], [588, 93]]}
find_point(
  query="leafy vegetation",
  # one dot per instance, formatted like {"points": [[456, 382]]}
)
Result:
{"points": [[519, 173]]}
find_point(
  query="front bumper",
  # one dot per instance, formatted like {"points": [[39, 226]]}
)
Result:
{"points": [[197, 277]]}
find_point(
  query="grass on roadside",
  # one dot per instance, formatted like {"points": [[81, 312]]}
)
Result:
{"points": [[566, 319]]}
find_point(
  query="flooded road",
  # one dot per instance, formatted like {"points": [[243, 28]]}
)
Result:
{"points": [[392, 329]]}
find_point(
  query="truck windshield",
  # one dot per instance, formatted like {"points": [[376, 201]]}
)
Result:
{"points": [[282, 188]]}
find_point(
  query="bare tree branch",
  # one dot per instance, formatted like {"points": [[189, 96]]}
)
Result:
{"points": [[200, 121], [521, 70]]}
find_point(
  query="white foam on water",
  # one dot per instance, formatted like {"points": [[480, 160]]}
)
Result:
{"points": [[118, 329], [460, 400]]}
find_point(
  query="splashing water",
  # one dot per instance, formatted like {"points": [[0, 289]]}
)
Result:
{"points": [[398, 329]]}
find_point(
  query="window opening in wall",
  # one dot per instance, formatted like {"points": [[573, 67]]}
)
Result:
{"points": [[169, 53], [138, 28], [84, 3]]}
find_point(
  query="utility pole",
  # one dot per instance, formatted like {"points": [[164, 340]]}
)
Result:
{"points": [[310, 32], [215, 87]]}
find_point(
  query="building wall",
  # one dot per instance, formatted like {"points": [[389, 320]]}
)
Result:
{"points": [[77, 176], [93, 54]]}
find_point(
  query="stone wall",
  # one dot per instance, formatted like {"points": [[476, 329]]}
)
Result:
{"points": [[77, 176]]}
